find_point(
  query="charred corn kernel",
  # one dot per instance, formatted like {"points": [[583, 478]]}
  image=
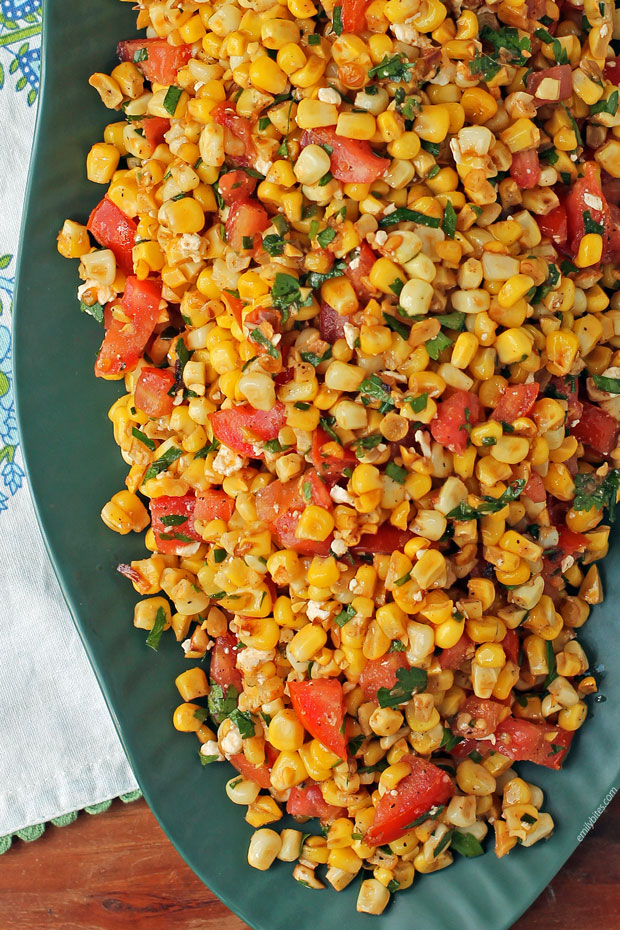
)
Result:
{"points": [[73, 240], [373, 897], [108, 89], [184, 718], [192, 684], [590, 250]]}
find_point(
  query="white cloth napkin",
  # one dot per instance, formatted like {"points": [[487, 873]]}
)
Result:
{"points": [[59, 751]]}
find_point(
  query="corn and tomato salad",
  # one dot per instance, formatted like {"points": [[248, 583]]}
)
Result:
{"points": [[357, 267]]}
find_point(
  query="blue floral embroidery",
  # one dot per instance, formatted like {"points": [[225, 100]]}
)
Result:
{"points": [[20, 30], [11, 473]]}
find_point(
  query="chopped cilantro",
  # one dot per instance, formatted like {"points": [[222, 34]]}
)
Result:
{"points": [[409, 681], [488, 504], [466, 844], [435, 346], [610, 105], [171, 99], [95, 310], [273, 245], [337, 20], [396, 68], [405, 215], [448, 224], [313, 359], [141, 437], [154, 636], [396, 473], [590, 225], [347, 613], [163, 462], [594, 491], [257, 336], [326, 236], [392, 323]]}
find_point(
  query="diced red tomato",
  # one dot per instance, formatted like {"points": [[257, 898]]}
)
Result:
{"points": [[307, 801], [536, 8], [579, 200], [331, 324], [114, 230], [427, 786], [332, 463], [152, 391], [612, 70], [386, 540], [541, 743], [485, 716], [554, 225], [280, 505], [154, 128], [236, 185], [353, 16], [516, 401], [535, 489], [465, 747], [457, 655], [124, 343], [226, 115], [240, 427], [162, 62], [381, 673], [525, 168], [568, 389], [352, 161], [319, 704], [166, 512], [570, 542], [246, 220], [224, 671], [214, 505], [455, 415], [510, 645], [560, 73], [596, 429], [235, 305], [357, 270], [256, 773]]}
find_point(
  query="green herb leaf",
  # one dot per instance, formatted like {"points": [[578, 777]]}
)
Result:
{"points": [[140, 54], [396, 473], [396, 68], [551, 664], [409, 681], [448, 224], [347, 613], [154, 636], [171, 99], [286, 295], [417, 404], [337, 20], [466, 844], [243, 721], [596, 491], [326, 236], [143, 438], [398, 646], [610, 105], [435, 346], [221, 703], [443, 842], [475, 756], [590, 225], [328, 425], [488, 504], [210, 447], [395, 325], [507, 39], [611, 385], [355, 744], [257, 336], [405, 215], [448, 740], [315, 279], [206, 760], [219, 555], [162, 463], [95, 310], [367, 442], [173, 519], [374, 389], [313, 359], [454, 320], [393, 886]]}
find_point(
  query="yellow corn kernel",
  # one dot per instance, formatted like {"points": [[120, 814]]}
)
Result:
{"points": [[101, 162], [522, 134], [315, 523], [267, 75], [562, 346], [108, 89], [307, 642], [73, 240], [285, 731], [192, 684], [356, 125], [514, 289], [590, 250], [125, 512], [184, 718]]}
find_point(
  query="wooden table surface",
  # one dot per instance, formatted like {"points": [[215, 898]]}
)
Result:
{"points": [[117, 870]]}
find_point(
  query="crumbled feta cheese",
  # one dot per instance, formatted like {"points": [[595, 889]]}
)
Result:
{"points": [[210, 748], [354, 264], [351, 333], [567, 563], [381, 237], [250, 658], [341, 496], [593, 201], [389, 209], [316, 611], [422, 437], [339, 547], [329, 95], [186, 645], [262, 165], [355, 586], [227, 462], [103, 292], [232, 743], [192, 246]]}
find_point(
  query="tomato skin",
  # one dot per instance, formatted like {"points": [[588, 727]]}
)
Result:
{"points": [[214, 505], [554, 225], [163, 62], [281, 505], [230, 427], [256, 773], [381, 673], [523, 740], [353, 16], [570, 542], [114, 230], [285, 527], [352, 161], [448, 426], [166, 506], [357, 270], [485, 712], [307, 801], [612, 70], [155, 128], [525, 168], [510, 644], [576, 204], [319, 704], [597, 429], [456, 655], [246, 220], [331, 324], [561, 73], [330, 466], [386, 540], [226, 115], [124, 343], [235, 305], [236, 185], [224, 671], [535, 489], [516, 401], [151, 395], [427, 786]]}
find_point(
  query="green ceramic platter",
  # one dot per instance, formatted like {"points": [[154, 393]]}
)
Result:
{"points": [[74, 467]]}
